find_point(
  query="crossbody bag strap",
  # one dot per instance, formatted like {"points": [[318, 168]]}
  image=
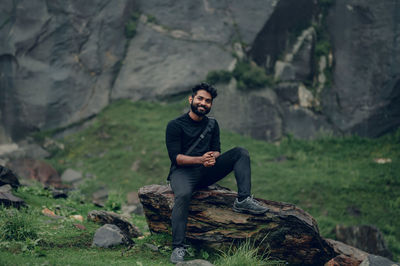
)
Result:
{"points": [[209, 128]]}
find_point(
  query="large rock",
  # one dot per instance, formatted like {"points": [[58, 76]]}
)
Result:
{"points": [[298, 62], [290, 233], [61, 62], [303, 123], [276, 37], [269, 114], [212, 21], [160, 64], [256, 113], [104, 217], [7, 177], [342, 260], [31, 169], [57, 60], [8, 199], [353, 255], [21, 150], [364, 237], [71, 176], [109, 235], [365, 95], [373, 260]]}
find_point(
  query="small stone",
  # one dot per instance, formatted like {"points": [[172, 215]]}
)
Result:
{"points": [[71, 176], [109, 235], [382, 160], [100, 194], [80, 226], [77, 217], [99, 197], [151, 246], [59, 194], [51, 214], [104, 217], [127, 210], [135, 166], [133, 198]]}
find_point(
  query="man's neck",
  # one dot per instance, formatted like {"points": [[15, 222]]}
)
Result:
{"points": [[195, 117]]}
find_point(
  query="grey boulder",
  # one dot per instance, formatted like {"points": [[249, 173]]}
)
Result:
{"points": [[109, 235]]}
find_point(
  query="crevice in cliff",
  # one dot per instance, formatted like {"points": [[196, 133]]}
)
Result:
{"points": [[42, 33], [132, 13], [286, 22]]}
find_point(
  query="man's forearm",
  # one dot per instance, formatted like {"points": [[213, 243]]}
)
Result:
{"points": [[182, 159]]}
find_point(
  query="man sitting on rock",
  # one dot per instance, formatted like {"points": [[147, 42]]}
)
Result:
{"points": [[194, 149]]}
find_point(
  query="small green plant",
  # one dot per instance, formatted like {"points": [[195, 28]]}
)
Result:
{"points": [[17, 225], [218, 76], [114, 201], [131, 25], [247, 74], [322, 47], [36, 189], [152, 19], [245, 254], [250, 76]]}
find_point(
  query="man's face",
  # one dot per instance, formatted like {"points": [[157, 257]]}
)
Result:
{"points": [[201, 103]]}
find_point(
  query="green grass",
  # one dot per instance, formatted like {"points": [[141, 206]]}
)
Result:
{"points": [[327, 177], [334, 179], [247, 253]]}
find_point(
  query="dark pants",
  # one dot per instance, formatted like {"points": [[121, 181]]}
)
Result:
{"points": [[185, 180]]}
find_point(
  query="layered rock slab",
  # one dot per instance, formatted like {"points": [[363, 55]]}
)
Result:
{"points": [[57, 60], [288, 232]]}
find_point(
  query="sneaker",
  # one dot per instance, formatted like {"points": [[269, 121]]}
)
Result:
{"points": [[178, 255], [249, 205]]}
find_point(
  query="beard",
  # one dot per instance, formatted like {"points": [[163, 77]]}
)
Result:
{"points": [[195, 109]]}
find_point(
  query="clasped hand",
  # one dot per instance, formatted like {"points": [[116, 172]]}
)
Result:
{"points": [[208, 159]]}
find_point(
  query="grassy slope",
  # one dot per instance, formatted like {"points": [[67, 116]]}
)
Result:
{"points": [[331, 178]]}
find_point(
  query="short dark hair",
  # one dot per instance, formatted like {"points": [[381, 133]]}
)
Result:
{"points": [[207, 87]]}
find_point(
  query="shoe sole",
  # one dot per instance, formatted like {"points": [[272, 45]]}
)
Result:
{"points": [[249, 212]]}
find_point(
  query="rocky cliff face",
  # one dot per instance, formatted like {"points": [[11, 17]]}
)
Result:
{"points": [[335, 64], [365, 94], [57, 61]]}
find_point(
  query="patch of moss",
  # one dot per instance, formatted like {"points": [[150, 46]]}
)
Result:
{"points": [[152, 19], [323, 48], [251, 76], [131, 25], [247, 74]]}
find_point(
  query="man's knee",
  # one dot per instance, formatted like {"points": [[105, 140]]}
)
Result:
{"points": [[183, 195], [240, 151]]}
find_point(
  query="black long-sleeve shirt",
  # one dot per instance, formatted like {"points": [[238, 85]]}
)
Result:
{"points": [[183, 131]]}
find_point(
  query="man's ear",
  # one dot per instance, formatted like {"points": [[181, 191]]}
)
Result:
{"points": [[190, 99]]}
